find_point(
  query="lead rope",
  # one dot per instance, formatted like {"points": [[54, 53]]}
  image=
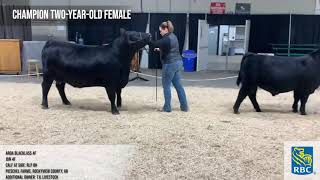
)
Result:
{"points": [[147, 75], [156, 37]]}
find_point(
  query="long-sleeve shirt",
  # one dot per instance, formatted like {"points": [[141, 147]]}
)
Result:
{"points": [[169, 47]]}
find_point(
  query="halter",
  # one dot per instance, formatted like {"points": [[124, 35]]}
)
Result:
{"points": [[144, 48]]}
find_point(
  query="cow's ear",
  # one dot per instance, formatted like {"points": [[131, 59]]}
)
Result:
{"points": [[122, 31]]}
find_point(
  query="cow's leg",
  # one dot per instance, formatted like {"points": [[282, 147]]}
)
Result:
{"points": [[60, 86], [119, 99], [46, 84], [296, 101], [112, 97], [253, 98], [241, 96], [303, 100]]}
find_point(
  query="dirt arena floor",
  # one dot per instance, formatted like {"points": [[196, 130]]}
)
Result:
{"points": [[209, 142]]}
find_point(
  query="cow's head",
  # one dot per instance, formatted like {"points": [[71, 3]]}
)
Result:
{"points": [[135, 40]]}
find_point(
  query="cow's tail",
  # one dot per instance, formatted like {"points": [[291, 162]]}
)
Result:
{"points": [[44, 57], [239, 79], [241, 67]]}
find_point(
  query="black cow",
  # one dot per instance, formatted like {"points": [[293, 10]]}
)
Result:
{"points": [[87, 66], [278, 75]]}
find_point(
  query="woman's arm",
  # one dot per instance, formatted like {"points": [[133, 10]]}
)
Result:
{"points": [[163, 43]]}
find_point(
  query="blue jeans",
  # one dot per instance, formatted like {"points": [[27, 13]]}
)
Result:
{"points": [[171, 74]]}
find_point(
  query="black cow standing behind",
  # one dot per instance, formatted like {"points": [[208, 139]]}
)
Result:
{"points": [[87, 66], [278, 75]]}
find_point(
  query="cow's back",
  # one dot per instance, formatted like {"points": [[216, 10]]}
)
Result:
{"points": [[277, 74], [80, 66]]}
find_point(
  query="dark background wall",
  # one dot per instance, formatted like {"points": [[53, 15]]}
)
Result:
{"points": [[97, 32], [305, 29], [265, 29], [193, 30]]}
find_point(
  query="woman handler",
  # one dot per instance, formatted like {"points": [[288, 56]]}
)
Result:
{"points": [[172, 64]]}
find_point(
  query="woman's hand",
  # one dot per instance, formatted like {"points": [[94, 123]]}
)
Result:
{"points": [[156, 49]]}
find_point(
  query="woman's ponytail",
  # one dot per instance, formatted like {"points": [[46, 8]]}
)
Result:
{"points": [[167, 24], [170, 26]]}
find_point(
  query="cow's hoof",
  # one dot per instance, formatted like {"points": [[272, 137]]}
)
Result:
{"points": [[303, 113], [236, 112], [295, 110], [67, 103], [115, 112], [44, 107], [258, 110]]}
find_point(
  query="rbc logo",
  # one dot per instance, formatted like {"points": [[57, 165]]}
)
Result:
{"points": [[302, 160]]}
